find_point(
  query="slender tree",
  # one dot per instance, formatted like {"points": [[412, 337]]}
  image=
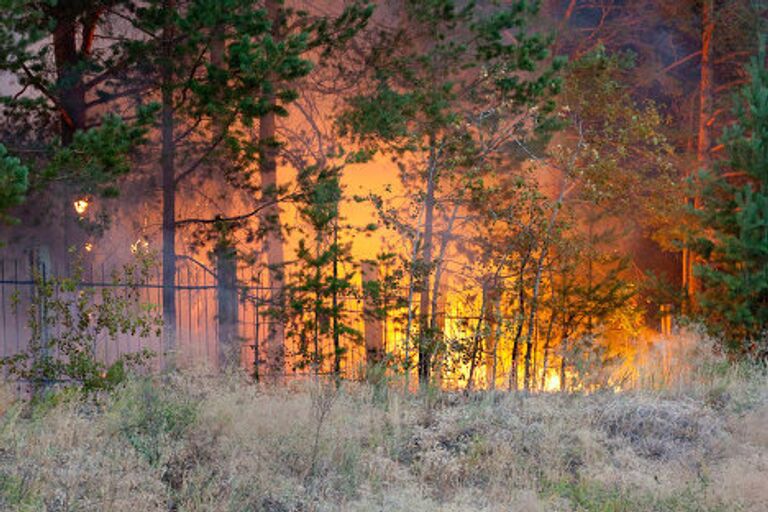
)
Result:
{"points": [[447, 75], [317, 285]]}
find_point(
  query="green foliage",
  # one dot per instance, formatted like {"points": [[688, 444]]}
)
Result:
{"points": [[66, 320], [457, 59], [232, 63], [14, 492], [14, 181], [624, 158], [591, 496], [734, 239], [150, 416], [98, 157], [26, 55], [95, 157], [320, 283], [46, 117], [258, 71], [591, 283], [620, 179]]}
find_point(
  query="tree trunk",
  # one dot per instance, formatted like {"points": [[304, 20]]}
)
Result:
{"points": [[532, 316], [474, 349], [373, 322], [437, 302], [335, 302], [537, 282], [168, 170], [513, 384], [564, 348], [564, 338], [409, 321], [485, 321], [270, 218], [439, 268], [493, 328], [316, 355], [425, 336], [69, 83], [227, 307], [548, 338], [703, 137]]}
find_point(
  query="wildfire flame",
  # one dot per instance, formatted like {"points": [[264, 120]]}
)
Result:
{"points": [[552, 382], [81, 206], [88, 247]]}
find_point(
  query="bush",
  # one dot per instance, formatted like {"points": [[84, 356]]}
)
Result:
{"points": [[150, 417], [66, 321]]}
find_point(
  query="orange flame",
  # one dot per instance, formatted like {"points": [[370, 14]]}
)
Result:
{"points": [[81, 206]]}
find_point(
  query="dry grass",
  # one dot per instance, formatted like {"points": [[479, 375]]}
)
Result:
{"points": [[189, 443]]}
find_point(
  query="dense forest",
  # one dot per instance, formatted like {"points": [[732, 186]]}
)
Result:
{"points": [[384, 255], [527, 195]]}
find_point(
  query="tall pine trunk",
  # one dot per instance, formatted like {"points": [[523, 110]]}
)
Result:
{"points": [[703, 137], [70, 93], [69, 82], [168, 171], [270, 218]]}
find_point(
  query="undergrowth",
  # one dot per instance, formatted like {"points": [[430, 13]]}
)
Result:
{"points": [[185, 442]]}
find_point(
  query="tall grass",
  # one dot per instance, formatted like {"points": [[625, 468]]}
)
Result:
{"points": [[190, 443]]}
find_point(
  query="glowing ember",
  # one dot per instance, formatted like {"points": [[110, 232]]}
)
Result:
{"points": [[88, 246], [139, 245], [552, 382], [81, 206]]}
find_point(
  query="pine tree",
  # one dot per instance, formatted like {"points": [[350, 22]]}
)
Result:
{"points": [[13, 183], [52, 121], [220, 69], [318, 283], [734, 241]]}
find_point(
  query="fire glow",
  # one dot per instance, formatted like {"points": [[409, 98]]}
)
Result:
{"points": [[490, 282], [81, 206]]}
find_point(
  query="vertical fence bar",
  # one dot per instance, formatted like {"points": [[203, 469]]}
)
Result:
{"points": [[159, 301], [258, 324], [200, 350], [2, 302], [16, 313], [206, 320], [190, 341]]}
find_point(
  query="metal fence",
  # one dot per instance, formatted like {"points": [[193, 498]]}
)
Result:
{"points": [[197, 293], [197, 290]]}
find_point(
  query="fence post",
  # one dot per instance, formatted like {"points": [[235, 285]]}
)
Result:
{"points": [[226, 307], [373, 332], [40, 274]]}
